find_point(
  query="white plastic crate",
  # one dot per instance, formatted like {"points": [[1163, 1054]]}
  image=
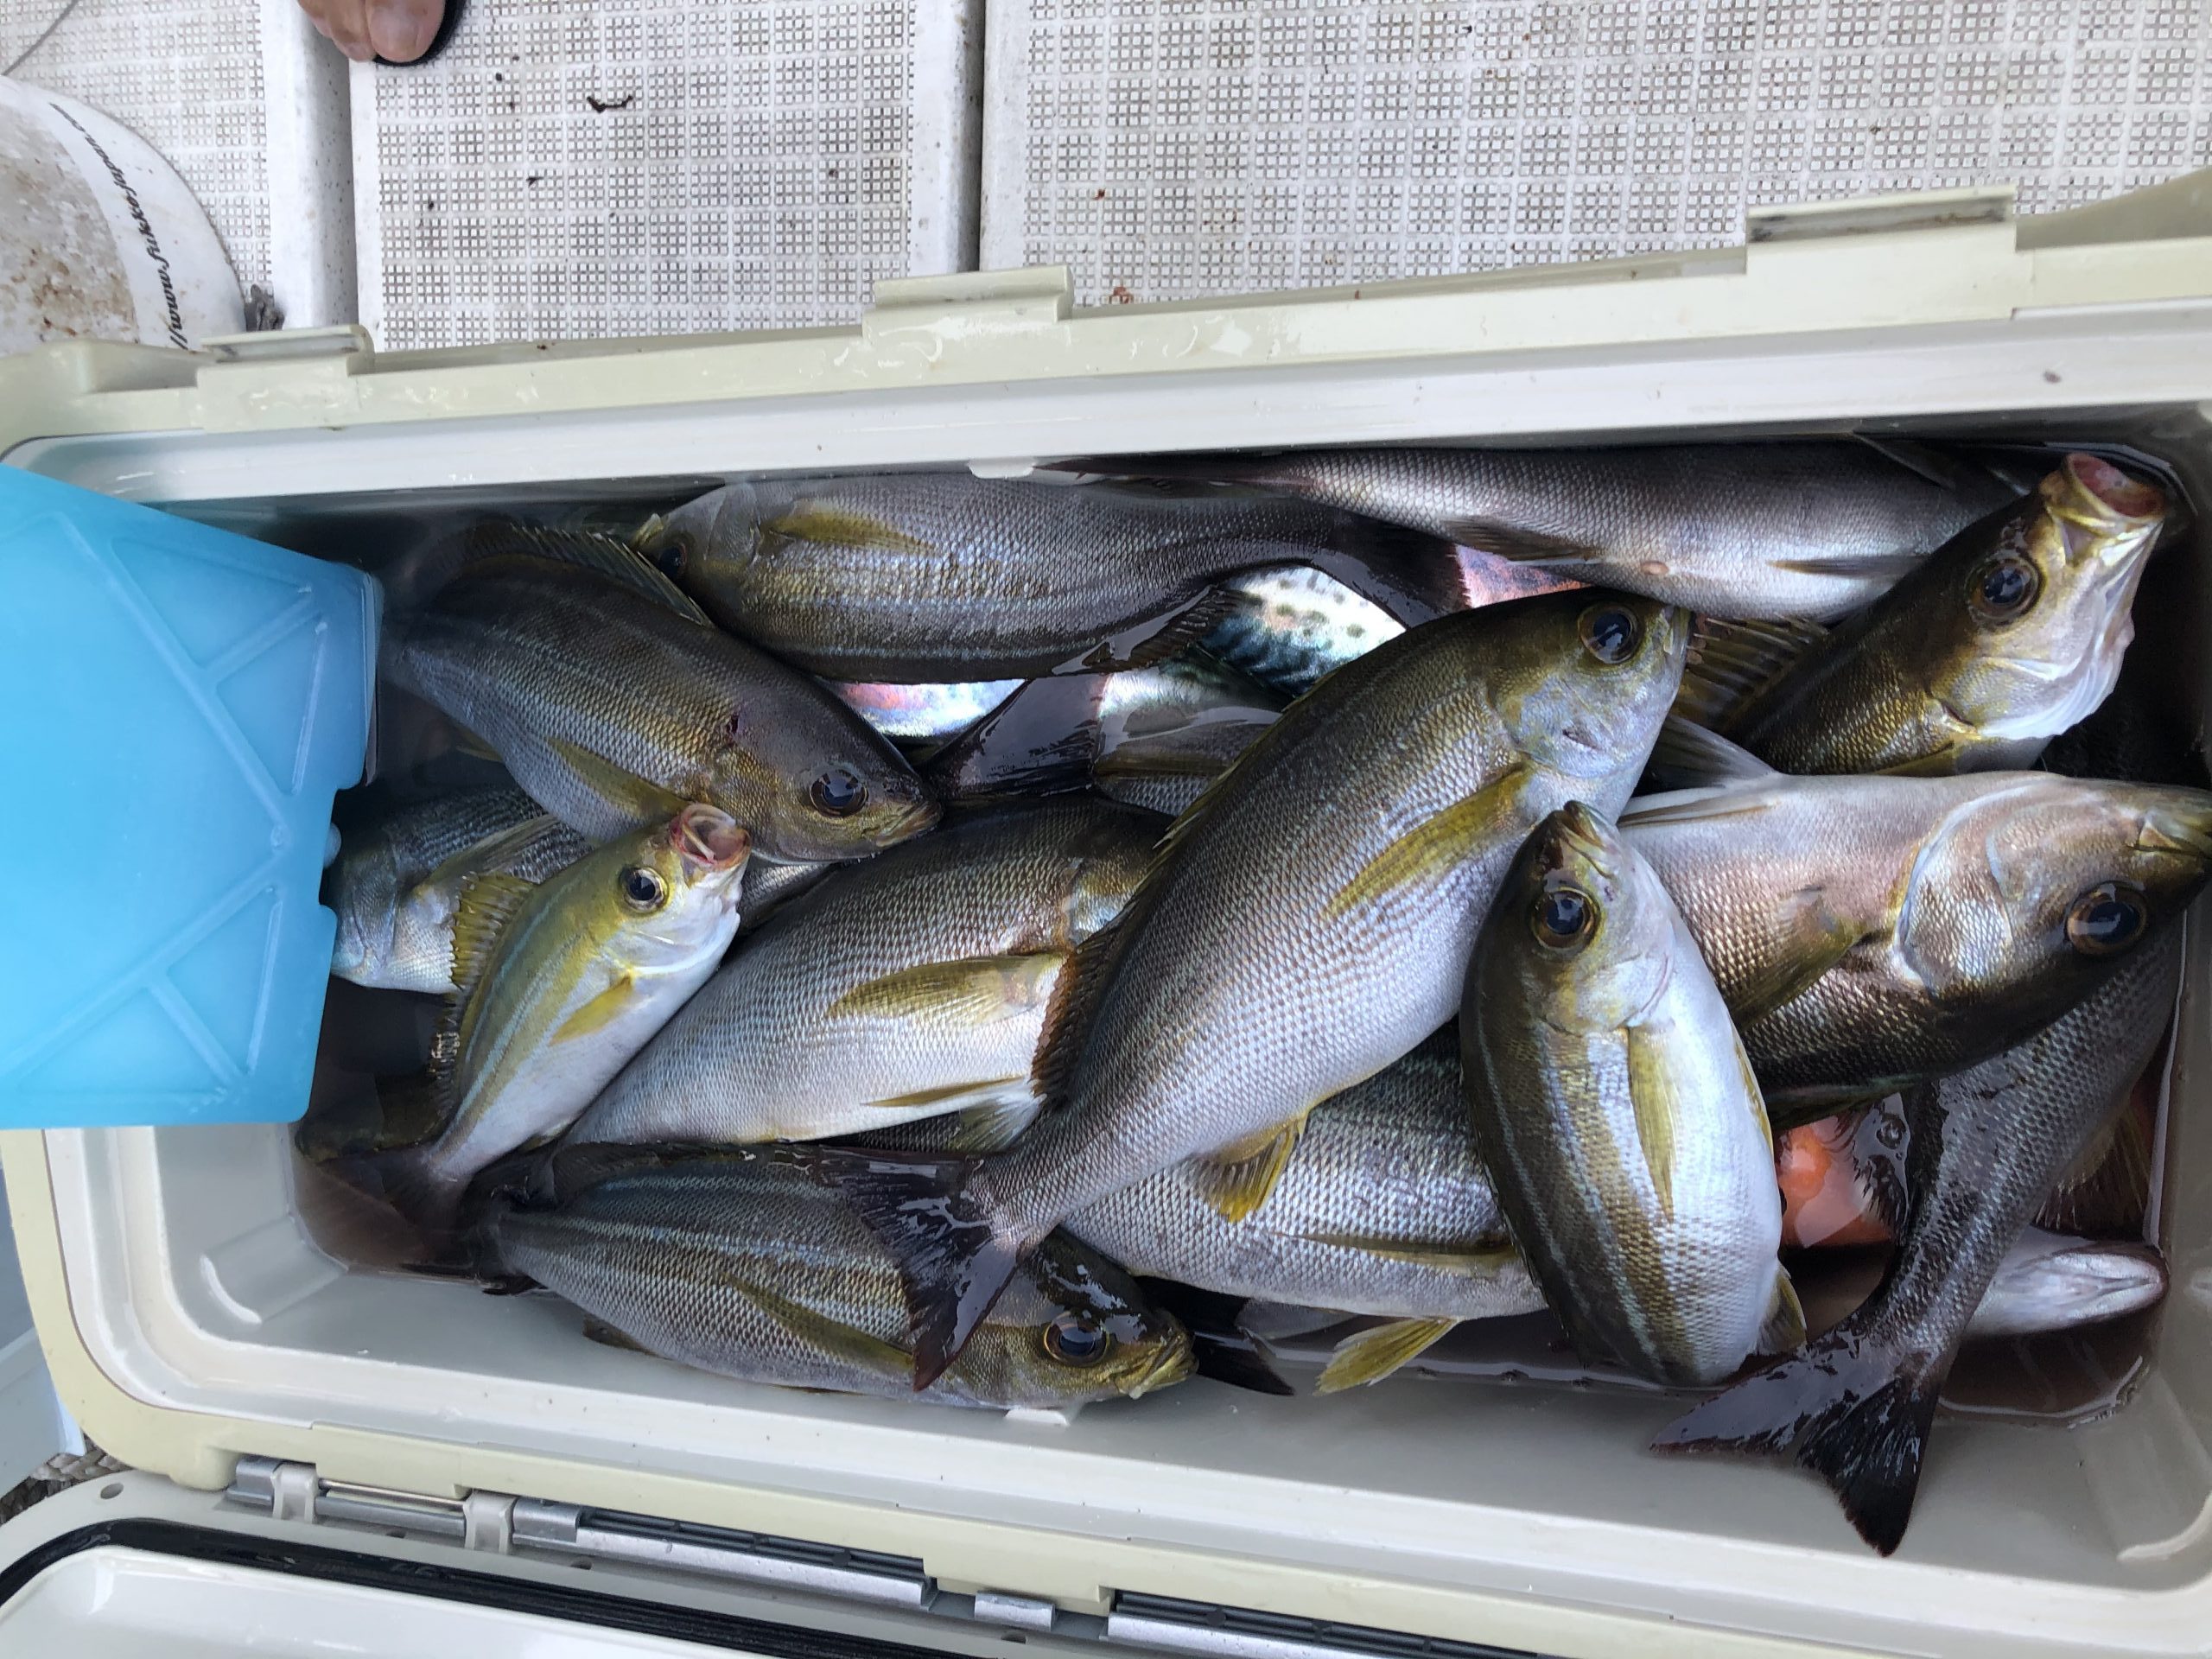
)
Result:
{"points": [[245, 100], [1165, 149], [645, 167]]}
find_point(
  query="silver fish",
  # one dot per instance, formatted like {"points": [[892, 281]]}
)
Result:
{"points": [[2049, 1282], [746, 1264], [913, 985], [1856, 1406], [1383, 1208], [1616, 1112], [397, 882], [1811, 528], [943, 576], [1308, 923]]}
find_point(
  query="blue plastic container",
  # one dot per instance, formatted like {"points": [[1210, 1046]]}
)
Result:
{"points": [[177, 707]]}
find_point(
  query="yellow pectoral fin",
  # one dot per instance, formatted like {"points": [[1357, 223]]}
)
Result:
{"points": [[836, 526], [1474, 1260], [1654, 1093], [973, 991], [1237, 1179], [597, 1013], [639, 797], [826, 1335], [1373, 1355], [1784, 1329], [1435, 847]]}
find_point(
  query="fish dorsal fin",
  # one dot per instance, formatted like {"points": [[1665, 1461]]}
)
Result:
{"points": [[1938, 468], [1732, 663], [1373, 1355], [883, 1359], [488, 903], [1237, 1179], [1432, 848], [501, 847], [1083, 980], [1689, 756], [1701, 805], [645, 801], [1157, 638], [619, 560], [1784, 1330]]}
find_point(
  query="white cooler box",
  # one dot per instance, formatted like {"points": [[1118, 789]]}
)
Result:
{"points": [[196, 1330]]}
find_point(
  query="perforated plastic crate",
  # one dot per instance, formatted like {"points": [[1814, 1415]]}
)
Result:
{"points": [[638, 166], [1165, 149]]}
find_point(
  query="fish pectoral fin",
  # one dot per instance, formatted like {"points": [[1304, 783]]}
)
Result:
{"points": [[600, 1331], [1784, 1331], [1517, 543], [599, 1013], [1373, 1355], [470, 743], [1730, 663], [1873, 567], [826, 524], [1155, 639], [2105, 1189], [970, 991], [642, 800], [1476, 1260], [1237, 1179], [1067, 1015], [1654, 1096], [487, 904], [1689, 756], [1434, 848], [1810, 938], [622, 562], [873, 1354]]}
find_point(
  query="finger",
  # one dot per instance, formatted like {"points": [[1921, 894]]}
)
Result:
{"points": [[344, 23], [402, 30]]}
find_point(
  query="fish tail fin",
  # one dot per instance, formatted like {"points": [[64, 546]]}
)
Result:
{"points": [[1042, 741], [955, 1255], [1412, 575], [411, 1180], [1845, 1409]]}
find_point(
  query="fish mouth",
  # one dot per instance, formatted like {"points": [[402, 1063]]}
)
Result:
{"points": [[1177, 1361], [2108, 492], [709, 838]]}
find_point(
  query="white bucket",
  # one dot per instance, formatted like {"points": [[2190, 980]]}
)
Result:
{"points": [[99, 239]]}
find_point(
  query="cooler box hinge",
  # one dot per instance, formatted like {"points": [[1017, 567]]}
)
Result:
{"points": [[504, 1525]]}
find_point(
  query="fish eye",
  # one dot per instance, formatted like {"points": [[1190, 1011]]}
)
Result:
{"points": [[1563, 917], [2005, 587], [2107, 920], [839, 793], [1073, 1340], [643, 889], [1610, 632]]}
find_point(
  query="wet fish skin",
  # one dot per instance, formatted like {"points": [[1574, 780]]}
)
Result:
{"points": [[397, 879], [1618, 1114], [1801, 529], [910, 986], [945, 576], [562, 984], [1933, 678], [1856, 1407], [1308, 923], [742, 1262], [533, 654], [1871, 933], [1291, 626], [1384, 1209], [2049, 1282]]}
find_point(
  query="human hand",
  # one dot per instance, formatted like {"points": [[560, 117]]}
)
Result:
{"points": [[399, 31]]}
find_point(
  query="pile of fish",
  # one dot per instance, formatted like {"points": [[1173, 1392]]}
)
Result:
{"points": [[1022, 942]]}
